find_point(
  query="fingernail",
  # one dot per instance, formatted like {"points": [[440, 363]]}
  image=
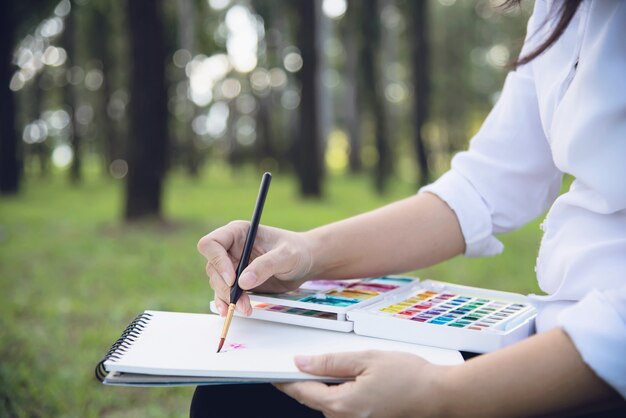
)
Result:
{"points": [[247, 280], [220, 308], [303, 362]]}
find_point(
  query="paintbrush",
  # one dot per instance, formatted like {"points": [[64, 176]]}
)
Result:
{"points": [[236, 291]]}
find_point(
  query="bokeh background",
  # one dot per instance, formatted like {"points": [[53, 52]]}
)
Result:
{"points": [[130, 128]]}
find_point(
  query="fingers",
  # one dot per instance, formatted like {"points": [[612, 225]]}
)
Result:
{"points": [[215, 247], [334, 365], [285, 259], [221, 306], [218, 261], [222, 294], [243, 304], [219, 286], [276, 262]]}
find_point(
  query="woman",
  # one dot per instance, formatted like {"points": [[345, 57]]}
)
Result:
{"points": [[562, 111]]}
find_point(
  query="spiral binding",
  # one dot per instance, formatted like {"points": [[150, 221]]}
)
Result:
{"points": [[126, 340]]}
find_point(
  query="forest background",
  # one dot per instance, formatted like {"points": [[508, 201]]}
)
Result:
{"points": [[130, 128]]}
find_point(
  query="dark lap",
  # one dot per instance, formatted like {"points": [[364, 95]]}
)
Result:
{"points": [[250, 401], [263, 400]]}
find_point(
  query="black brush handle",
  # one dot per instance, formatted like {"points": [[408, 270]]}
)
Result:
{"points": [[236, 291]]}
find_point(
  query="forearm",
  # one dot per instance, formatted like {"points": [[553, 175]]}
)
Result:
{"points": [[540, 375], [413, 233]]}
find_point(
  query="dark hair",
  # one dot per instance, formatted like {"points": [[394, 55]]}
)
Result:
{"points": [[567, 10]]}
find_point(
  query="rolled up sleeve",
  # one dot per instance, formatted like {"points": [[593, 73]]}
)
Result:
{"points": [[507, 176], [471, 211]]}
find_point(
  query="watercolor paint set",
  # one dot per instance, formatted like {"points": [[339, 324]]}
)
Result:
{"points": [[325, 303], [405, 309], [449, 316]]}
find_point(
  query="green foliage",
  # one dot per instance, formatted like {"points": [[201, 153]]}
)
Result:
{"points": [[71, 277]]}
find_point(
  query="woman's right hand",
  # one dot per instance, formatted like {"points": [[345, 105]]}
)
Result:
{"points": [[279, 262]]}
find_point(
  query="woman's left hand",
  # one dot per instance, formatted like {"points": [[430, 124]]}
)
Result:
{"points": [[386, 384]]}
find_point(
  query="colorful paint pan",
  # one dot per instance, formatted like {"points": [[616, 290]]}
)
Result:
{"points": [[294, 311], [454, 310], [342, 293]]}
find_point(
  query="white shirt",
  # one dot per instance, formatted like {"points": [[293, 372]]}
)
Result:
{"points": [[564, 112]]}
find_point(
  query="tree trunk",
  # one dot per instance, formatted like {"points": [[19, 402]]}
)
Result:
{"points": [[10, 161], [419, 58], [266, 131], [284, 121], [351, 115], [373, 77], [148, 110], [235, 155], [265, 145], [70, 97], [309, 150], [186, 34], [102, 51], [42, 150], [325, 113]]}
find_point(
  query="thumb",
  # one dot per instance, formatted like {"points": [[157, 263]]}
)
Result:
{"points": [[334, 364], [262, 268]]}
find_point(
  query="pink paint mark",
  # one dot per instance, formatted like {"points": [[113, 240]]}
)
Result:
{"points": [[236, 346]]}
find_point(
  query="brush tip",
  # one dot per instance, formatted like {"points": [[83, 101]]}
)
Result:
{"points": [[219, 347]]}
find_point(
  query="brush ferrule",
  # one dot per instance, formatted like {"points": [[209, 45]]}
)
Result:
{"points": [[229, 318]]}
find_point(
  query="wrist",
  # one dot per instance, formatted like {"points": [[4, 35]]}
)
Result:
{"points": [[321, 252], [444, 390], [314, 247]]}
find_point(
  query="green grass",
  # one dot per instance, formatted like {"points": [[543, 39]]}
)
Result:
{"points": [[72, 276]]}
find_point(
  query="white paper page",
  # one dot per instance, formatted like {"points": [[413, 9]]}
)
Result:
{"points": [[181, 344]]}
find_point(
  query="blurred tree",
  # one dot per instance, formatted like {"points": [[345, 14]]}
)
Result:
{"points": [[373, 92], [235, 152], [266, 131], [421, 87], [459, 33], [325, 103], [40, 150], [186, 10], [101, 47], [462, 43], [350, 31], [147, 148], [308, 162], [16, 19], [285, 118], [70, 96], [10, 161]]}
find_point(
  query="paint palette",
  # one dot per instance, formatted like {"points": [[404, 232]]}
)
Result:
{"points": [[405, 309], [453, 310], [300, 316], [449, 316], [325, 303], [294, 311]]}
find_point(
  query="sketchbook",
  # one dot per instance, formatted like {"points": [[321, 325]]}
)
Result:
{"points": [[399, 308], [170, 348]]}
